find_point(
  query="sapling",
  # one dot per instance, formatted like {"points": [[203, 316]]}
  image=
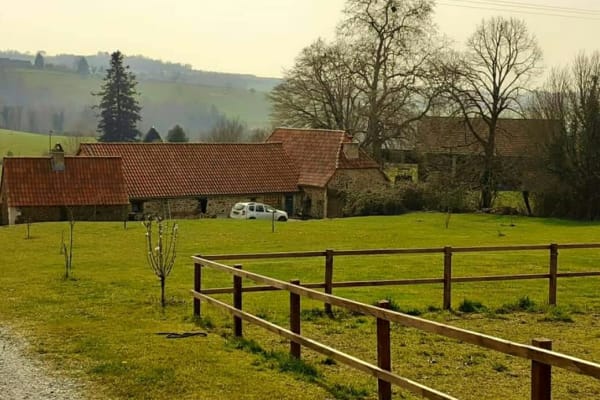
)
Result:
{"points": [[161, 250], [68, 252]]}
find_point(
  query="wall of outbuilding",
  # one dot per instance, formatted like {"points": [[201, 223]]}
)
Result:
{"points": [[21, 215], [216, 206]]}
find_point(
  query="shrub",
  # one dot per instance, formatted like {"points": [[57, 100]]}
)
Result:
{"points": [[471, 306], [413, 196], [436, 195], [385, 201], [522, 304]]}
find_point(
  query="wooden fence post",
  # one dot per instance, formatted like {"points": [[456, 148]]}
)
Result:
{"points": [[447, 304], [541, 374], [552, 280], [197, 287], [328, 277], [237, 302], [295, 319], [384, 359]]}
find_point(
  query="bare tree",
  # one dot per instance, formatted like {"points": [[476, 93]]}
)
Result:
{"points": [[391, 54], [227, 131], [373, 81], [571, 98], [161, 251], [319, 91], [488, 81]]}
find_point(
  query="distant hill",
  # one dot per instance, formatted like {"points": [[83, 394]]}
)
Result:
{"points": [[58, 98], [147, 68]]}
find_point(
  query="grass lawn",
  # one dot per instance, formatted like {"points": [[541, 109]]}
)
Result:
{"points": [[100, 327]]}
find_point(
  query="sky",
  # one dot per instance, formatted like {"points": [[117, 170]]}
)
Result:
{"points": [[260, 37]]}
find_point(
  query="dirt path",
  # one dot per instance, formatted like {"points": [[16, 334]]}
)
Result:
{"points": [[23, 378]]}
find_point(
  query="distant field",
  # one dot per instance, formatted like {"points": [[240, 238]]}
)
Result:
{"points": [[101, 326], [34, 144], [163, 103]]}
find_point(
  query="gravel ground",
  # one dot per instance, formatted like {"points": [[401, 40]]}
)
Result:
{"points": [[24, 378]]}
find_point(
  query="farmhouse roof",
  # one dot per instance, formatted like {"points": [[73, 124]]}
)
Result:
{"points": [[319, 152], [159, 170], [515, 137], [31, 181]]}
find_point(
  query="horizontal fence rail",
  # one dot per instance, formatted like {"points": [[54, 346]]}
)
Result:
{"points": [[447, 279], [542, 358], [330, 352]]}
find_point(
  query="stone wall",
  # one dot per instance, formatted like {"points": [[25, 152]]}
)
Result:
{"points": [[60, 213], [312, 202], [216, 206]]}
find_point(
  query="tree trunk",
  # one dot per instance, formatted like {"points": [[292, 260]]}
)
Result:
{"points": [[526, 200], [488, 181], [162, 291]]}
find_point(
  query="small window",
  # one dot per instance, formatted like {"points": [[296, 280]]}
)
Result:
{"points": [[251, 207], [260, 208]]}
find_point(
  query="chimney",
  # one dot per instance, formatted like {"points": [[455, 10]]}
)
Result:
{"points": [[350, 150], [57, 157]]}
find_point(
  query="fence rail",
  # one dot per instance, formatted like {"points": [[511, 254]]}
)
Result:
{"points": [[539, 353], [447, 279]]}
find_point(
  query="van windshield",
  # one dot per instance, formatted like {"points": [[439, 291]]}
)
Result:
{"points": [[238, 206]]}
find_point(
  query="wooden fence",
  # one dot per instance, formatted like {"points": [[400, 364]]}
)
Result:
{"points": [[447, 278], [540, 353]]}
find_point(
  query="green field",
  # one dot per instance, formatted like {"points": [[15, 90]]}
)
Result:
{"points": [[33, 144], [163, 103], [100, 327]]}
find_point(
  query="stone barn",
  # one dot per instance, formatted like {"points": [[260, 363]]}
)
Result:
{"points": [[329, 162], [202, 179], [57, 188]]}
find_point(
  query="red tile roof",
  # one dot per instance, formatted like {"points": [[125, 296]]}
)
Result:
{"points": [[30, 181], [318, 153], [159, 170], [515, 137]]}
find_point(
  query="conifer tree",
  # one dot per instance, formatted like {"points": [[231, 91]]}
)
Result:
{"points": [[177, 135], [119, 107], [152, 136], [83, 68]]}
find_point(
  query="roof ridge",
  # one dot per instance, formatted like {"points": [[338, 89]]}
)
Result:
{"points": [[307, 129]]}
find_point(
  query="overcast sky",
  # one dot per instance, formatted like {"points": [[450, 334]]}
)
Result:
{"points": [[260, 37]]}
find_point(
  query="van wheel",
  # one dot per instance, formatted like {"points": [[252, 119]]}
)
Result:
{"points": [[252, 218], [282, 219]]}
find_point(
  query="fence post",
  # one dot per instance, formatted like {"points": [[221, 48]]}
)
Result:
{"points": [[237, 302], [295, 319], [384, 359], [197, 287], [328, 277], [447, 277], [552, 280], [541, 374]]}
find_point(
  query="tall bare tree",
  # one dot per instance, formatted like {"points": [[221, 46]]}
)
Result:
{"points": [[373, 81], [392, 50], [489, 80], [571, 98]]}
